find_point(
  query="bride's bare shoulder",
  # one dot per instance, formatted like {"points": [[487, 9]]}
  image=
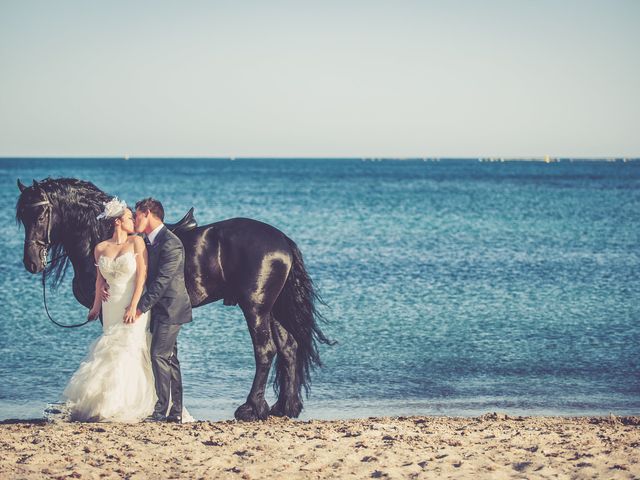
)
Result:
{"points": [[138, 243], [99, 249], [136, 240], [101, 246]]}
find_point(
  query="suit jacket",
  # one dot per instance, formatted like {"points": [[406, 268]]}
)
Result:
{"points": [[166, 294]]}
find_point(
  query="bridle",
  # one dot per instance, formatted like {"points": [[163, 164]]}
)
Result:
{"points": [[44, 246]]}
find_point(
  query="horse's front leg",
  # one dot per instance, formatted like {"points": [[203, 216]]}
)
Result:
{"points": [[264, 348]]}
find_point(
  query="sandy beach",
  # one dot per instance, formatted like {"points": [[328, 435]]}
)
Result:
{"points": [[489, 446]]}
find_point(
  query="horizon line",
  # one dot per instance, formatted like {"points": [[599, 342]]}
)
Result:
{"points": [[494, 158]]}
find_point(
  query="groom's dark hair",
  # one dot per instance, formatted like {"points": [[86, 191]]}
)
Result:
{"points": [[151, 205]]}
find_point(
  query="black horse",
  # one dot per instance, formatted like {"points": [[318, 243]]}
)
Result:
{"points": [[242, 261]]}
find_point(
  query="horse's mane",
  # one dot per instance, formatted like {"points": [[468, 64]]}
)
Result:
{"points": [[79, 202]]}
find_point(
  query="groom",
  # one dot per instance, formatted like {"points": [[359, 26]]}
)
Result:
{"points": [[167, 298]]}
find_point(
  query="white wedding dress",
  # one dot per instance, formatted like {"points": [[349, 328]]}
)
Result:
{"points": [[114, 382]]}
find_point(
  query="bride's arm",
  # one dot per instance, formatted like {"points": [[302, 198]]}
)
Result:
{"points": [[97, 298], [141, 275]]}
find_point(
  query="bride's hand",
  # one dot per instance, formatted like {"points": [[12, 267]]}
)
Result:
{"points": [[93, 313], [130, 314]]}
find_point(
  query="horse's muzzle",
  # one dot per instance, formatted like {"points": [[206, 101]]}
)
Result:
{"points": [[33, 267], [35, 259]]}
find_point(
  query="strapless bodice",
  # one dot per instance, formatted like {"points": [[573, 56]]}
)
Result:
{"points": [[119, 272]]}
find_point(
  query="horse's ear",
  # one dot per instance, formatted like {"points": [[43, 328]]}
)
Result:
{"points": [[35, 184], [21, 186]]}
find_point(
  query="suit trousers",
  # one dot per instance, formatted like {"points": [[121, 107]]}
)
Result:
{"points": [[166, 368]]}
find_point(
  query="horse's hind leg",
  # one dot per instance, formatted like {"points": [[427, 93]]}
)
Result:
{"points": [[256, 408], [289, 403]]}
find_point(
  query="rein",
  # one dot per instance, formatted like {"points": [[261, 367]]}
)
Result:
{"points": [[43, 258], [44, 299]]}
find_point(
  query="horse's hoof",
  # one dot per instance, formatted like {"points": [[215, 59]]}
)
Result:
{"points": [[248, 413], [290, 408], [245, 413], [276, 410]]}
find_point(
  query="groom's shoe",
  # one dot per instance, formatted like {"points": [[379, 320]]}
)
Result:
{"points": [[156, 417], [174, 418]]}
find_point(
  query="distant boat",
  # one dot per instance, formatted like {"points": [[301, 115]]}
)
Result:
{"points": [[126, 157], [547, 159]]}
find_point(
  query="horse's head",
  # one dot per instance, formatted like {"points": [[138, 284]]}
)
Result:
{"points": [[37, 214]]}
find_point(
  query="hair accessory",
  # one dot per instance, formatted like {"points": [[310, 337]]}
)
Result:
{"points": [[113, 208]]}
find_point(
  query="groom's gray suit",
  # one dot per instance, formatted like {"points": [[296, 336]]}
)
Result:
{"points": [[168, 300]]}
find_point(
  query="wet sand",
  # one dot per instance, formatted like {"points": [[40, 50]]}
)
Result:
{"points": [[490, 446]]}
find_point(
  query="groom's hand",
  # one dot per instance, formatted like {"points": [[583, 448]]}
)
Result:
{"points": [[104, 293]]}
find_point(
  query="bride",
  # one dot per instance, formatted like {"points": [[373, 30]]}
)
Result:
{"points": [[115, 383]]}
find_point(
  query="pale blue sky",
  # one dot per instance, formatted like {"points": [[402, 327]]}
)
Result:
{"points": [[323, 78]]}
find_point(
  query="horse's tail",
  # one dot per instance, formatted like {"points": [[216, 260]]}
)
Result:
{"points": [[295, 310]]}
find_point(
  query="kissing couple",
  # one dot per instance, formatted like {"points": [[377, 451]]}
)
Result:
{"points": [[132, 372]]}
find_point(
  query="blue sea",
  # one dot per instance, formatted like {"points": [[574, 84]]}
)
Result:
{"points": [[453, 287]]}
